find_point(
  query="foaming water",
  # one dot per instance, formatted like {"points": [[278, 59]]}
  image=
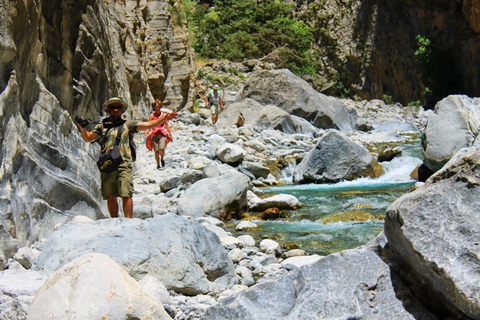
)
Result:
{"points": [[397, 173]]}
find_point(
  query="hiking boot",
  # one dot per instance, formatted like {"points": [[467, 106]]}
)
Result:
{"points": [[163, 163]]}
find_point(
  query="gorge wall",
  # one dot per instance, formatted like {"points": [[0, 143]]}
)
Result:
{"points": [[61, 58], [369, 46]]}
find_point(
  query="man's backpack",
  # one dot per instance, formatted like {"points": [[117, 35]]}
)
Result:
{"points": [[133, 147]]}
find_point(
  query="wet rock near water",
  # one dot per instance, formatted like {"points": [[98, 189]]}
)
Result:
{"points": [[336, 157]]}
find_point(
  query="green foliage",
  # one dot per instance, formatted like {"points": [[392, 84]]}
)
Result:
{"points": [[251, 29], [423, 51], [388, 99], [201, 74], [234, 71], [343, 91], [415, 103]]}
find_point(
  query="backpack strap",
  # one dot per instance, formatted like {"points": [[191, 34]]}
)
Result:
{"points": [[117, 138], [119, 135]]}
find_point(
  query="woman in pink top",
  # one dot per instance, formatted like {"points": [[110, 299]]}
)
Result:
{"points": [[158, 137]]}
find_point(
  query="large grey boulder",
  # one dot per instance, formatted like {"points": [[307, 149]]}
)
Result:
{"points": [[336, 157], [183, 255], [436, 231], [353, 284], [282, 88], [263, 117], [93, 286], [219, 197], [278, 119], [454, 125], [258, 169]]}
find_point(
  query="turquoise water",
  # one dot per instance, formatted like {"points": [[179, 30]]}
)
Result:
{"points": [[339, 216]]}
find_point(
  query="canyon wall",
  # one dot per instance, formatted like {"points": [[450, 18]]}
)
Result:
{"points": [[64, 58], [368, 47]]}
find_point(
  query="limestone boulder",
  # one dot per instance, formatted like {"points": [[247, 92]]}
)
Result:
{"points": [[155, 288], [221, 197], [280, 201], [454, 125], [8, 247], [26, 256], [268, 116], [230, 153], [183, 255], [94, 286], [435, 230], [282, 88], [258, 169], [336, 157], [278, 119]]}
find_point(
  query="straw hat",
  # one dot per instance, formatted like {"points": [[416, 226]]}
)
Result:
{"points": [[115, 100]]}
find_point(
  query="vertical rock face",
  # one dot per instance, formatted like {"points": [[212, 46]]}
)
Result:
{"points": [[159, 60], [370, 45], [64, 58]]}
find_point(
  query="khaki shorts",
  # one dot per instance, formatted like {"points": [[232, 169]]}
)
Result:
{"points": [[215, 109], [117, 184], [159, 142]]}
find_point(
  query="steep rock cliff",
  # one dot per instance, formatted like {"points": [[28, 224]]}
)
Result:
{"points": [[63, 58], [369, 46]]}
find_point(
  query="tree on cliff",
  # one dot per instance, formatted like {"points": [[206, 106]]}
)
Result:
{"points": [[239, 29]]}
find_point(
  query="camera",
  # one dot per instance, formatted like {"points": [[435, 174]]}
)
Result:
{"points": [[83, 122]]}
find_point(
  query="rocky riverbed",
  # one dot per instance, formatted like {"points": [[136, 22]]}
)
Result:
{"points": [[175, 259]]}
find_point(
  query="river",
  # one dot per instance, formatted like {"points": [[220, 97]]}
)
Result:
{"points": [[338, 216]]}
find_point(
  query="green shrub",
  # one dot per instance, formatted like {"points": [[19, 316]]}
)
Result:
{"points": [[250, 29]]}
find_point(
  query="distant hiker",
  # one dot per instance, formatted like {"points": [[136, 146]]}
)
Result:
{"points": [[159, 136], [116, 164], [215, 102]]}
